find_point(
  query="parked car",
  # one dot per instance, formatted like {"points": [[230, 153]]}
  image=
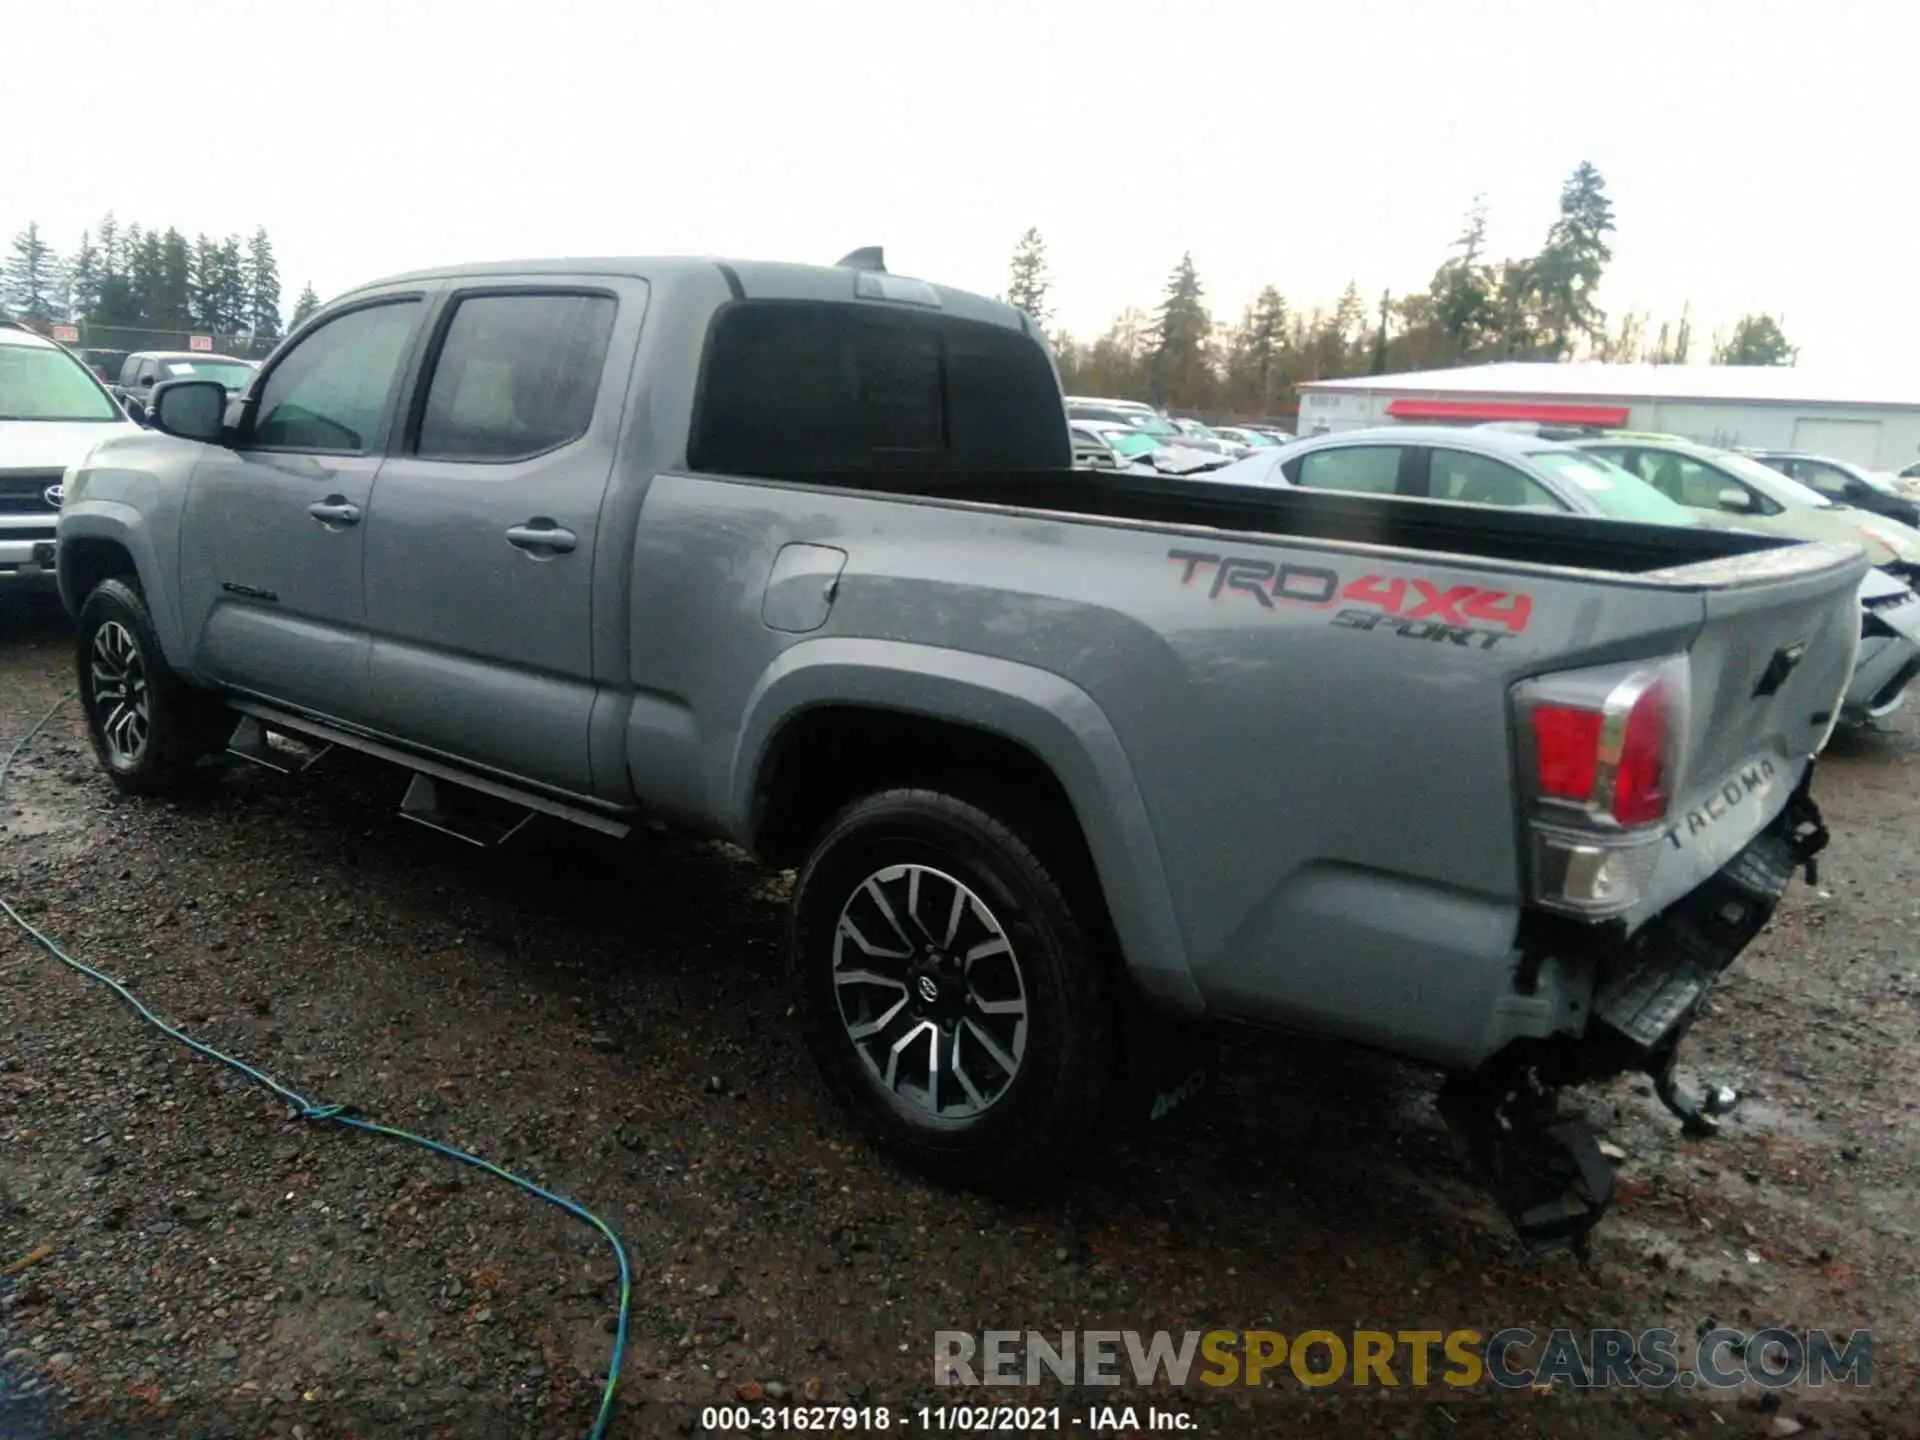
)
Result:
{"points": [[1889, 660], [1247, 440], [1727, 483], [1519, 468], [1199, 436], [1091, 451], [53, 410], [1169, 455], [794, 556], [143, 369], [1471, 466], [1844, 483]]}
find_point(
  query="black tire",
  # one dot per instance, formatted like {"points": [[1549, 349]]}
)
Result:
{"points": [[1029, 1130], [151, 727]]}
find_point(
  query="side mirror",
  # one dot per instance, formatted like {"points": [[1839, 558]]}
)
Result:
{"points": [[189, 409], [1735, 499], [146, 381]]}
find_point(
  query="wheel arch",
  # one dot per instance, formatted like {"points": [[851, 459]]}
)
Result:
{"points": [[974, 710], [101, 539]]}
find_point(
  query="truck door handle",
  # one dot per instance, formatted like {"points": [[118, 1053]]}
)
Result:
{"points": [[542, 535], [335, 511]]}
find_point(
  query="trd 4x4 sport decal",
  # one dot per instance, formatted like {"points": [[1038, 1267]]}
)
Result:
{"points": [[1411, 608]]}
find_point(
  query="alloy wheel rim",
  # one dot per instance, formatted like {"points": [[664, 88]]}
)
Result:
{"points": [[121, 699], [930, 991]]}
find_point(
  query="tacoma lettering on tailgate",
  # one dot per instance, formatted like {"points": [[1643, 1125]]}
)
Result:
{"points": [[1751, 780], [1410, 608]]}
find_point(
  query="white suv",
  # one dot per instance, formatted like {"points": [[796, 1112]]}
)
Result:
{"points": [[52, 412]]}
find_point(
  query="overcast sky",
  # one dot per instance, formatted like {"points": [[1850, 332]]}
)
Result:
{"points": [[1760, 153]]}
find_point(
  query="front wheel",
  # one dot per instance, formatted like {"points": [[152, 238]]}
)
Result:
{"points": [[148, 726], [952, 998]]}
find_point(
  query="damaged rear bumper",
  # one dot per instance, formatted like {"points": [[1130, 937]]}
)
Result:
{"points": [[1545, 1168]]}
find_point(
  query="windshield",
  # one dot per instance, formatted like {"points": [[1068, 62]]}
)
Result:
{"points": [[1769, 481], [1619, 494], [1131, 442], [230, 373], [1154, 425], [43, 384]]}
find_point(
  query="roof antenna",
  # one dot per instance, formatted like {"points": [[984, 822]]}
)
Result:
{"points": [[867, 257]]}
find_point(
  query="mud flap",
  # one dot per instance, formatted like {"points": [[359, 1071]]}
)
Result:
{"points": [[1168, 1064]]}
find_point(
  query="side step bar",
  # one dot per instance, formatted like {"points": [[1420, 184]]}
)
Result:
{"points": [[250, 743], [442, 797], [437, 806]]}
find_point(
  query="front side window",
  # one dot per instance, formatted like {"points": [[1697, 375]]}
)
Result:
{"points": [[516, 376], [1829, 480], [333, 391], [803, 387], [1776, 489], [41, 383], [1360, 469], [1479, 480], [1618, 493]]}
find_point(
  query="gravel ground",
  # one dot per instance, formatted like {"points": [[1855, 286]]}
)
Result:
{"points": [[181, 1256]]}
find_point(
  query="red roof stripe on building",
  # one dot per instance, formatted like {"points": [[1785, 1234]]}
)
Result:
{"points": [[1561, 414]]}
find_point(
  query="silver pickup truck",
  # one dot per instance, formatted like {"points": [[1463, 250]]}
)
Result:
{"points": [[1070, 765]]}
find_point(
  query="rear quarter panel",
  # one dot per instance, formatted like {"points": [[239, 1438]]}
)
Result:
{"points": [[1320, 752]]}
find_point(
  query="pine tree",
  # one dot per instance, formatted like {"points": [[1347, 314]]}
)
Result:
{"points": [[1028, 282], [1567, 271], [31, 284], [143, 277], [203, 302], [1266, 334], [262, 287], [1181, 328], [1378, 365], [305, 305], [83, 280], [1756, 340], [1463, 290], [172, 300], [112, 255], [233, 303]]}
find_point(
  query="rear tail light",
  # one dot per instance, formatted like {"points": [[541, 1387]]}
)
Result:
{"points": [[1600, 751]]}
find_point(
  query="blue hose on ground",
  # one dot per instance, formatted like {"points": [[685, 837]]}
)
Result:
{"points": [[305, 1109]]}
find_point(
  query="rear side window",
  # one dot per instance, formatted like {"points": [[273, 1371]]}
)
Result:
{"points": [[1361, 469], [516, 376], [797, 388]]}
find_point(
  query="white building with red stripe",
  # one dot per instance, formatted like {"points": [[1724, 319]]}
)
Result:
{"points": [[1875, 423]]}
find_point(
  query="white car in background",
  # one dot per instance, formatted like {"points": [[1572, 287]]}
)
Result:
{"points": [[53, 411], [1146, 452], [1524, 470], [1729, 486]]}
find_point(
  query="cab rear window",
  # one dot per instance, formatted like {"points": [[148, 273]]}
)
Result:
{"points": [[797, 388]]}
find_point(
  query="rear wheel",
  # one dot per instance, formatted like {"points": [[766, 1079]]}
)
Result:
{"points": [[950, 994], [148, 726]]}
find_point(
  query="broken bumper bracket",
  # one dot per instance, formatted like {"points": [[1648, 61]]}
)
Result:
{"points": [[1544, 1168]]}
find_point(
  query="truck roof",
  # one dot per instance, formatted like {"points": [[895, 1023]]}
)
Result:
{"points": [[747, 279]]}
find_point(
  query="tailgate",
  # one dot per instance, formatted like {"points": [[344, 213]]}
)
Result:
{"points": [[1765, 674]]}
